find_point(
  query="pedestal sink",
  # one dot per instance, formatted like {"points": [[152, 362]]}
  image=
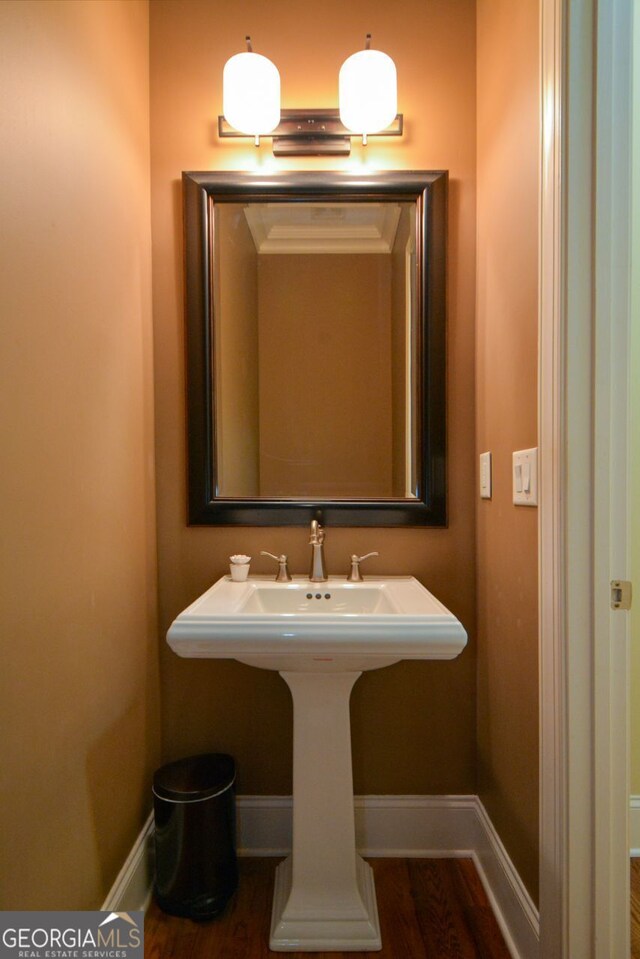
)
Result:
{"points": [[320, 638]]}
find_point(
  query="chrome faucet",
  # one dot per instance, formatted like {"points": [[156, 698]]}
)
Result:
{"points": [[318, 572], [283, 575], [355, 576]]}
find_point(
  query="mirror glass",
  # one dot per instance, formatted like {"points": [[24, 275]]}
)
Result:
{"points": [[316, 348]]}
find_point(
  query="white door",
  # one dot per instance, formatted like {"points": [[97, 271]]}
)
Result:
{"points": [[584, 390]]}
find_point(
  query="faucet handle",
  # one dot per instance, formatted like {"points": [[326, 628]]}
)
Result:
{"points": [[355, 576], [283, 575], [316, 537]]}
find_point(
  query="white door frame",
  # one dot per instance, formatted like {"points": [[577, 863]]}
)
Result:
{"points": [[611, 456], [584, 249]]}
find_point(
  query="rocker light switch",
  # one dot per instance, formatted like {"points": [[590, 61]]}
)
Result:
{"points": [[525, 477], [517, 478]]}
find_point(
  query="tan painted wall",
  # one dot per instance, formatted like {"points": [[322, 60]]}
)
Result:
{"points": [[325, 375], [413, 723], [508, 110], [78, 682]]}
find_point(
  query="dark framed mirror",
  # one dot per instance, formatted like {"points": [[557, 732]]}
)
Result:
{"points": [[316, 322]]}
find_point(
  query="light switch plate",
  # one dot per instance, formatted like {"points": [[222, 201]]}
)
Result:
{"points": [[485, 475], [525, 477]]}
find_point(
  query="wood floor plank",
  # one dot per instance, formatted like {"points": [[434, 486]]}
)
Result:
{"points": [[428, 908], [635, 908], [168, 937], [399, 927], [481, 921], [440, 915]]}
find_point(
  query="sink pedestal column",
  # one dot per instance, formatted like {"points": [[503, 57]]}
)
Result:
{"points": [[324, 897]]}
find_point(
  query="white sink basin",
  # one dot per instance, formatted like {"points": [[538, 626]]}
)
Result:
{"points": [[320, 637], [324, 627], [343, 599]]}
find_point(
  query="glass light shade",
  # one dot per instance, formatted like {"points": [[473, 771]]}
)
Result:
{"points": [[251, 93], [368, 88]]}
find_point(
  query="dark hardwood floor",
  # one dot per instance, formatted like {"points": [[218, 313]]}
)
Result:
{"points": [[635, 909], [429, 909]]}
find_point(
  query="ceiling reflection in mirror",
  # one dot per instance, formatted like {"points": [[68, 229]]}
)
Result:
{"points": [[314, 350]]}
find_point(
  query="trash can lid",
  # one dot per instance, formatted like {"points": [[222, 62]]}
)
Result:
{"points": [[194, 778]]}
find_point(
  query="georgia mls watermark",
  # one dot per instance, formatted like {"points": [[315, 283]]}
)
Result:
{"points": [[71, 935]]}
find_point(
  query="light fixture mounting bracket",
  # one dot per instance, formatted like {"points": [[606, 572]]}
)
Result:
{"points": [[312, 132]]}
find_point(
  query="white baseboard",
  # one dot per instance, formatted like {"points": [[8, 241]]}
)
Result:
{"points": [[634, 826], [385, 825], [133, 885], [402, 826], [263, 825], [514, 909]]}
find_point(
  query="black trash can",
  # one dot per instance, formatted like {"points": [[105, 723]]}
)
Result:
{"points": [[194, 811]]}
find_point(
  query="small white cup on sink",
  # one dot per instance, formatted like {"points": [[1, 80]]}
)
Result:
{"points": [[239, 567]]}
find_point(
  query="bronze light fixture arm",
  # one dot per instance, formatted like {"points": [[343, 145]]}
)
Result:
{"points": [[312, 132]]}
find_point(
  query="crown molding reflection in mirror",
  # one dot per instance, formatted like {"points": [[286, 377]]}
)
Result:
{"points": [[316, 348]]}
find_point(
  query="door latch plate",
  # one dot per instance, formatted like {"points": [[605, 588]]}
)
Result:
{"points": [[620, 594]]}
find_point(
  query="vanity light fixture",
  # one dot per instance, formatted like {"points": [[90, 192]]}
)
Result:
{"points": [[368, 91], [368, 104], [251, 93]]}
